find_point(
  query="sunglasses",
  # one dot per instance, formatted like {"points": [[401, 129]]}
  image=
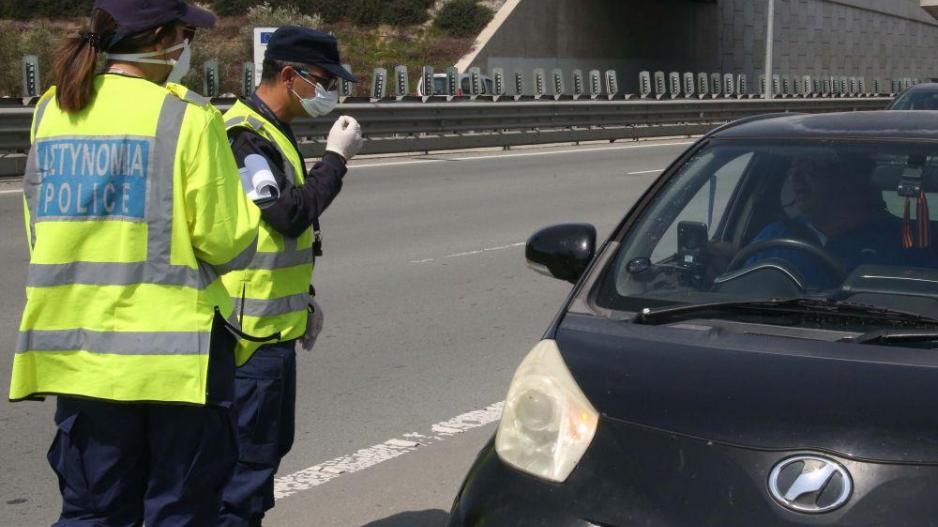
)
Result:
{"points": [[327, 83]]}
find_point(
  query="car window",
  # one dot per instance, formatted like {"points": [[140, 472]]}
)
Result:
{"points": [[709, 203], [916, 100], [771, 219], [486, 86]]}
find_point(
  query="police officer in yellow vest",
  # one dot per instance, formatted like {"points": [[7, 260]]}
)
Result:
{"points": [[133, 209], [300, 74]]}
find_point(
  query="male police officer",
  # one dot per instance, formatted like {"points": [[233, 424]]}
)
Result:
{"points": [[300, 75]]}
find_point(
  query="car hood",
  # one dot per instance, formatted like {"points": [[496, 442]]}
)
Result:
{"points": [[865, 402]]}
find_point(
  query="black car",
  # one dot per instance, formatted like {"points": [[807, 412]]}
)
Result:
{"points": [[919, 97], [755, 345]]}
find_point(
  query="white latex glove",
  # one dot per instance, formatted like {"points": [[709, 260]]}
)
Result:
{"points": [[314, 323], [345, 138]]}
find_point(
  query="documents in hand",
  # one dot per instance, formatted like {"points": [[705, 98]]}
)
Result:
{"points": [[258, 181]]}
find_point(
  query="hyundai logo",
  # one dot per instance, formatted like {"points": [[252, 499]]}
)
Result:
{"points": [[810, 484]]}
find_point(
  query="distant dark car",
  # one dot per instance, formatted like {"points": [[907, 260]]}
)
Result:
{"points": [[755, 345], [918, 97]]}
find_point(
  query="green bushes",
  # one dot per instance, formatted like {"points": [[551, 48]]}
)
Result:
{"points": [[230, 42], [369, 12], [22, 39], [33, 9], [360, 12], [463, 18], [366, 12], [407, 12], [234, 7]]}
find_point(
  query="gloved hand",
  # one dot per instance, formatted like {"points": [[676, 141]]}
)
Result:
{"points": [[314, 323], [345, 138]]}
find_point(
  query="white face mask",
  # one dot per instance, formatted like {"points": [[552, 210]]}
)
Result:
{"points": [[180, 66], [323, 103]]}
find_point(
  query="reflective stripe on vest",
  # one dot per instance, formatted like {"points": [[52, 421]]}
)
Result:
{"points": [[253, 307], [31, 192], [115, 342]]}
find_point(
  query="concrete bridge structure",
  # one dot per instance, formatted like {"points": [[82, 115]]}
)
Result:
{"points": [[882, 39]]}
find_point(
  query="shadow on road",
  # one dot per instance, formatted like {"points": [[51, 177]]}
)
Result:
{"points": [[428, 518]]}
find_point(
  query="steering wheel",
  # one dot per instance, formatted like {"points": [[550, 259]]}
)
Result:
{"points": [[831, 264]]}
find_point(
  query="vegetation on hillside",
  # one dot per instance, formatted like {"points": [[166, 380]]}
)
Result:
{"points": [[463, 18], [371, 33]]}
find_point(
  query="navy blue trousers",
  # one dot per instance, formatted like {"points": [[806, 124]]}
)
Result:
{"points": [[124, 464], [265, 402]]}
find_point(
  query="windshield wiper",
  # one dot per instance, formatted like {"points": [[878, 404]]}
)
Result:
{"points": [[885, 336], [821, 306]]}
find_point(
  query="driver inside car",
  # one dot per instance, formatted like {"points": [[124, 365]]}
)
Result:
{"points": [[839, 212]]}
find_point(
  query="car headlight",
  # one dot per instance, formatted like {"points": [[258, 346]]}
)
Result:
{"points": [[547, 423]]}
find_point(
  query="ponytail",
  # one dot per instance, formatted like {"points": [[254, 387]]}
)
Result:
{"points": [[76, 63]]}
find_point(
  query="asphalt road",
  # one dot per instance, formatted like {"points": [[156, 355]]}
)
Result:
{"points": [[429, 308]]}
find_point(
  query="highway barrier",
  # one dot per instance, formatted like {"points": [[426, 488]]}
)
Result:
{"points": [[414, 126]]}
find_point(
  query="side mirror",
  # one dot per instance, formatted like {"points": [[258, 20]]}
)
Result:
{"points": [[562, 251]]}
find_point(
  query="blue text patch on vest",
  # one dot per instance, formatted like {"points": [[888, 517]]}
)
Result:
{"points": [[93, 178]]}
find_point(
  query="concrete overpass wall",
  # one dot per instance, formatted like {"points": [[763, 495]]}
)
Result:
{"points": [[604, 34], [871, 38]]}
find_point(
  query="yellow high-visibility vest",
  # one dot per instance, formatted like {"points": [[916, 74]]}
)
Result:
{"points": [[270, 294], [133, 209]]}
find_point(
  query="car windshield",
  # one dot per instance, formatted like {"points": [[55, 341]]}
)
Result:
{"points": [[740, 221], [916, 100]]}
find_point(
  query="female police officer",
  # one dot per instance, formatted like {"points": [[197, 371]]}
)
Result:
{"points": [[133, 208]]}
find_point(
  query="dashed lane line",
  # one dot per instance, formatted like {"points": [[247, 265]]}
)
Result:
{"points": [[366, 458], [469, 253], [581, 150]]}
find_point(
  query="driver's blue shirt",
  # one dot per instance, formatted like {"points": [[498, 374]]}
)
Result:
{"points": [[878, 242]]}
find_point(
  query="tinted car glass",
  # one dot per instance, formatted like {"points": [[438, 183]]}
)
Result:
{"points": [[916, 100], [856, 203]]}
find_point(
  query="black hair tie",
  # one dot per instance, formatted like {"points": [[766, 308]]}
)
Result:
{"points": [[91, 38]]}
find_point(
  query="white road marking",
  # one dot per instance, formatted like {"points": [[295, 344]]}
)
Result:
{"points": [[13, 191], [469, 253], [520, 154], [645, 172], [369, 457], [400, 163], [575, 151]]}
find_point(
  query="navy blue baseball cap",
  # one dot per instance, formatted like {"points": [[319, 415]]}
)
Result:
{"points": [[133, 16], [307, 46]]}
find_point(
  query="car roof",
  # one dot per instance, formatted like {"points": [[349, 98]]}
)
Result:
{"points": [[923, 87], [890, 125]]}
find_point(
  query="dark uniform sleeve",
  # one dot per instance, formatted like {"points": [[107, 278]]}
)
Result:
{"points": [[298, 207]]}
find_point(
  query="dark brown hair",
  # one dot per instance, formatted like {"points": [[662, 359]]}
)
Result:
{"points": [[76, 60]]}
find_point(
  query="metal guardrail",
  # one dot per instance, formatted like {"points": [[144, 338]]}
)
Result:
{"points": [[424, 127], [413, 126]]}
